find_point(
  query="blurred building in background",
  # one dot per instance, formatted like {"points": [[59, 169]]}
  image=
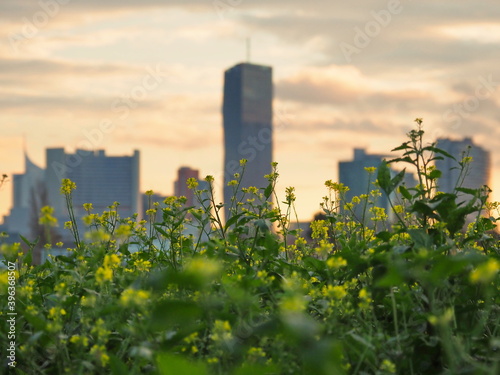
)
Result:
{"points": [[478, 170], [180, 185], [28, 194], [360, 181], [100, 180]]}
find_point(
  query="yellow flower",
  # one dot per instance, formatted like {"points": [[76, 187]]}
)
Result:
{"points": [[365, 299], [336, 262], [388, 367], [100, 331], [46, 217], [99, 352], [142, 265], [336, 186], [97, 236], [67, 186], [256, 353], [88, 207], [324, 248], [399, 209], [56, 312], [292, 304], [124, 231], [467, 160], [131, 297], [149, 193], [60, 288], [485, 272], [88, 301], [335, 291], [192, 183], [319, 229], [111, 261], [103, 274], [10, 251], [79, 340], [221, 331], [203, 267]]}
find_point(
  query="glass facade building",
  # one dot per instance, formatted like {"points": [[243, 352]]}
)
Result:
{"points": [[248, 130]]}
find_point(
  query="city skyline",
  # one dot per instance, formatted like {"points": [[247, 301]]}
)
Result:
{"points": [[148, 75]]}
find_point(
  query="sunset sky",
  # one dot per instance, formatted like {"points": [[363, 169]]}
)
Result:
{"points": [[346, 74]]}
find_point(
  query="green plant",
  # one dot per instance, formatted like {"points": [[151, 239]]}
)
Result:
{"points": [[363, 296]]}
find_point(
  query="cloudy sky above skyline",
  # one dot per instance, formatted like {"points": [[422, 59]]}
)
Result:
{"points": [[346, 74]]}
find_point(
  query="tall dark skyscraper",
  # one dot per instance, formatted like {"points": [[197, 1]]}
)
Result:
{"points": [[248, 130]]}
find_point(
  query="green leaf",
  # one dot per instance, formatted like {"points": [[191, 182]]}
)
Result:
{"points": [[405, 193], [262, 225], [232, 220], [384, 236], [160, 230], [117, 366], [252, 369], [420, 238], [269, 190], [397, 179], [170, 364], [474, 192], [436, 173], [171, 313], [384, 177], [438, 151], [391, 277], [386, 183], [404, 146], [27, 242]]}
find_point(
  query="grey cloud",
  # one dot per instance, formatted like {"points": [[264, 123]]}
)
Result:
{"points": [[33, 68], [45, 104]]}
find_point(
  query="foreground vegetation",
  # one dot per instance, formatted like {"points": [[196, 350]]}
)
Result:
{"points": [[252, 296]]}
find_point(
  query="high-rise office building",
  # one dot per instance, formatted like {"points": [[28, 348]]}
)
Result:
{"points": [[248, 130], [180, 186], [28, 197], [354, 175], [478, 173], [100, 180]]}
